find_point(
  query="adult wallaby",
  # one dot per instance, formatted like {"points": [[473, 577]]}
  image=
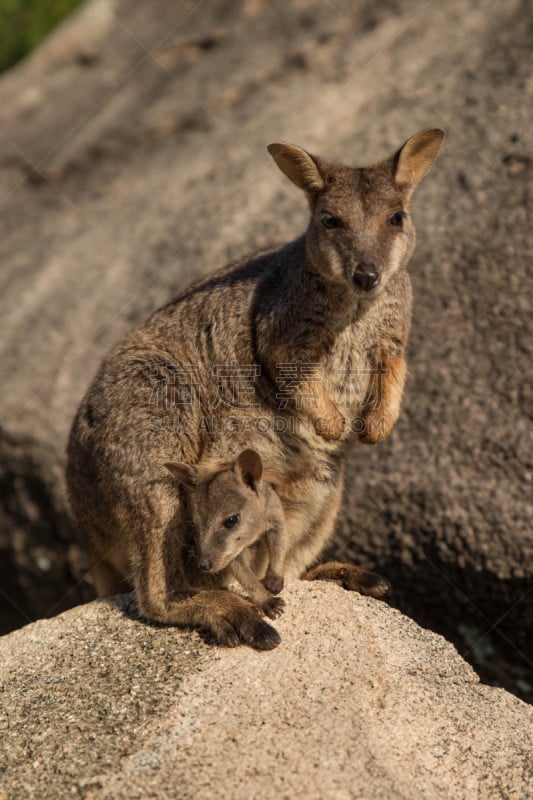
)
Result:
{"points": [[232, 507], [302, 331]]}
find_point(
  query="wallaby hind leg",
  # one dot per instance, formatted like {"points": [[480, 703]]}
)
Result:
{"points": [[355, 579], [227, 617]]}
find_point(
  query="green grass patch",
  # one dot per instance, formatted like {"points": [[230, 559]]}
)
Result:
{"points": [[25, 23]]}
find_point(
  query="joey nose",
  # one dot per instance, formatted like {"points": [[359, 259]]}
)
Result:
{"points": [[205, 564], [366, 278]]}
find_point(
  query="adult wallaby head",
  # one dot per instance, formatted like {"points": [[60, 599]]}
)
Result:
{"points": [[360, 229], [227, 503]]}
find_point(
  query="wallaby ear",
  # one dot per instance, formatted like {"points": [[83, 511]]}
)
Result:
{"points": [[297, 165], [416, 156], [184, 473], [249, 468]]}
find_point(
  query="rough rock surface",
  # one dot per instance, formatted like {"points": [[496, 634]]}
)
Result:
{"points": [[132, 155], [357, 702]]}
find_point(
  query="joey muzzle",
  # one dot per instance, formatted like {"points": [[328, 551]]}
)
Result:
{"points": [[366, 277], [213, 562]]}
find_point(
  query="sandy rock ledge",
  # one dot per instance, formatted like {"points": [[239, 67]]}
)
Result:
{"points": [[357, 702]]}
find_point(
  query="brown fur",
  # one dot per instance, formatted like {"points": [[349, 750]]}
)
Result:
{"points": [[158, 396]]}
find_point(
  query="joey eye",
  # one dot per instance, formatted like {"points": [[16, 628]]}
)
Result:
{"points": [[329, 221], [397, 219], [231, 522]]}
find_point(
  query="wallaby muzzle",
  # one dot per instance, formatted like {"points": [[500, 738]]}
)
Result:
{"points": [[366, 278]]}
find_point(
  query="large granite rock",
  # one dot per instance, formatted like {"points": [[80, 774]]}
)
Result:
{"points": [[357, 702], [133, 160]]}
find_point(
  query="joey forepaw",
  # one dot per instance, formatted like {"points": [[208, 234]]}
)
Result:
{"points": [[273, 582], [273, 607]]}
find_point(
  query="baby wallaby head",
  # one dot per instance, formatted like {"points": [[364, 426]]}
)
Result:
{"points": [[360, 229], [227, 503]]}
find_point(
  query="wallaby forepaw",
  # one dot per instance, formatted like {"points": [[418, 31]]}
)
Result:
{"points": [[331, 428], [376, 429], [273, 607], [273, 582]]}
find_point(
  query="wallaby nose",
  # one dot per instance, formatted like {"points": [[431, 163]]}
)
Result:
{"points": [[205, 564], [366, 278]]}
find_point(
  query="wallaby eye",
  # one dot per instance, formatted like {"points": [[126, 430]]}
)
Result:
{"points": [[397, 219], [329, 221], [231, 522]]}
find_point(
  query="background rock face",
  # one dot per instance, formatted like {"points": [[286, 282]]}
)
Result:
{"points": [[356, 702], [132, 153]]}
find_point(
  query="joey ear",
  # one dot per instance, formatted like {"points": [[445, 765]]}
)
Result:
{"points": [[249, 468], [184, 473], [297, 165], [416, 156]]}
